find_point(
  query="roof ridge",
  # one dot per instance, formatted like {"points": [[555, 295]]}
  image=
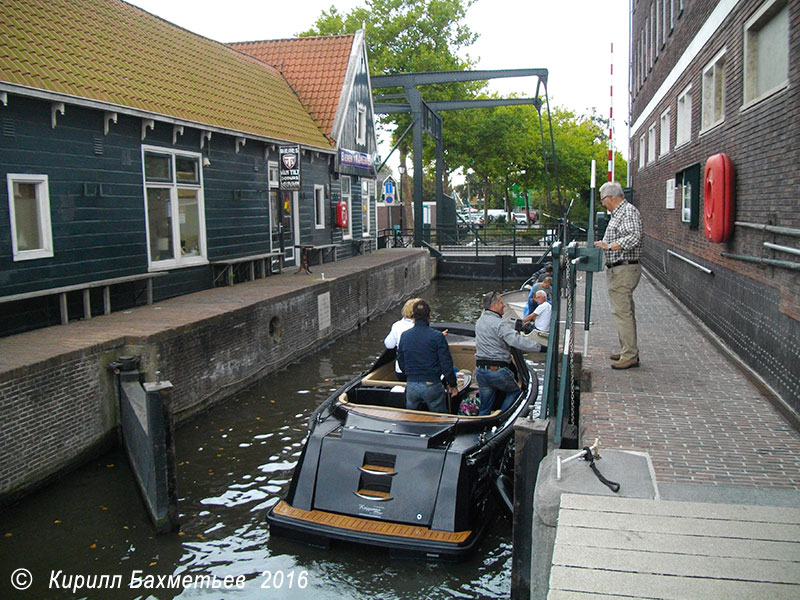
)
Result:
{"points": [[294, 39]]}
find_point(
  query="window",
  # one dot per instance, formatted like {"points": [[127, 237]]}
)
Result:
{"points": [[274, 200], [361, 124], [657, 27], [663, 146], [642, 149], [367, 191], [671, 15], [347, 198], [687, 186], [29, 213], [684, 119], [665, 26], [174, 207], [319, 206], [651, 143], [766, 51], [713, 92]]}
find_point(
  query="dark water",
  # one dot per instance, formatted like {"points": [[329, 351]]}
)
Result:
{"points": [[234, 462]]}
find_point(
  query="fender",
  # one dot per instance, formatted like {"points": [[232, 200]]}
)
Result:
{"points": [[718, 199]]}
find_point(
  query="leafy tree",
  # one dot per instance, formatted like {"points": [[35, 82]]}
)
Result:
{"points": [[407, 36]]}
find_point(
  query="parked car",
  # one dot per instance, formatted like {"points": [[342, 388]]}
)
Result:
{"points": [[520, 218]]}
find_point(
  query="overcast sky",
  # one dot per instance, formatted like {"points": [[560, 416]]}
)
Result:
{"points": [[571, 38]]}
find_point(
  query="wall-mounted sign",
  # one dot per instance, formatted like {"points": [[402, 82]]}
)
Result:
{"points": [[351, 158], [389, 193], [289, 167]]}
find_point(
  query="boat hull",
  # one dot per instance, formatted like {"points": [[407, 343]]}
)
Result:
{"points": [[415, 482]]}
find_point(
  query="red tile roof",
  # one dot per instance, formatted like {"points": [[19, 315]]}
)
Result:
{"points": [[314, 66], [114, 52]]}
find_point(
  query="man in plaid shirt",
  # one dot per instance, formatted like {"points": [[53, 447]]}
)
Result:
{"points": [[623, 245]]}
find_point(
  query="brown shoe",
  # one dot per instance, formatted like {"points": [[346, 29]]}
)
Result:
{"points": [[625, 364], [614, 356]]}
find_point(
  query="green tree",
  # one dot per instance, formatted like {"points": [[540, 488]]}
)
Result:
{"points": [[407, 36]]}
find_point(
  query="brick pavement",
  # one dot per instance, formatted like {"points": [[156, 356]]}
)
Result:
{"points": [[688, 405]]}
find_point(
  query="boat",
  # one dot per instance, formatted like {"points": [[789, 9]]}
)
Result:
{"points": [[419, 483]]}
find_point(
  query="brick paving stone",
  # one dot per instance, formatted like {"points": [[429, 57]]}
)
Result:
{"points": [[687, 405]]}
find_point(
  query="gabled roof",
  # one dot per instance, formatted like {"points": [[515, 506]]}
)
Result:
{"points": [[116, 53], [314, 66]]}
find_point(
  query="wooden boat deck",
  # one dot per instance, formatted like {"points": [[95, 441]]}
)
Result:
{"points": [[358, 524], [609, 547]]}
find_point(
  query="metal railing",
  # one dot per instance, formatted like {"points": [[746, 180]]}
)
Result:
{"points": [[496, 239]]}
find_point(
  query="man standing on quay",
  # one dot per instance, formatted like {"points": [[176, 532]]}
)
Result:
{"points": [[623, 245]]}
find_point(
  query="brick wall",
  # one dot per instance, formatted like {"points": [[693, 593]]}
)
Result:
{"points": [[753, 307], [57, 412]]}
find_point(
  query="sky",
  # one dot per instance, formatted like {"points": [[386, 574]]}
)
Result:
{"points": [[570, 38]]}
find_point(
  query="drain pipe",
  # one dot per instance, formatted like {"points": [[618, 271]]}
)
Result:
{"points": [[770, 228], [764, 261]]}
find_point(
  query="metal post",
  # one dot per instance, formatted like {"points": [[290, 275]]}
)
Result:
{"points": [[415, 98], [551, 362], [587, 304]]}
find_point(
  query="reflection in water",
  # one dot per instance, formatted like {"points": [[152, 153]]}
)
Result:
{"points": [[234, 462]]}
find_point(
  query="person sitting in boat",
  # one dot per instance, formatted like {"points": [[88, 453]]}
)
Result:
{"points": [[398, 327], [494, 336], [546, 285], [424, 356], [541, 314]]}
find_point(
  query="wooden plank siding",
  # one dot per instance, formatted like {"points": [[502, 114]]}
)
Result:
{"points": [[97, 209]]}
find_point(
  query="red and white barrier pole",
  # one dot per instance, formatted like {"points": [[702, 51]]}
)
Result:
{"points": [[611, 121]]}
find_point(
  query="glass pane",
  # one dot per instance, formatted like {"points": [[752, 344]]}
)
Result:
{"points": [[345, 186], [160, 222], [26, 216], [187, 169], [157, 167], [365, 207], [274, 205], [189, 222]]}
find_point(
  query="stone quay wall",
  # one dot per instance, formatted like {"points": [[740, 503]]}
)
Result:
{"points": [[57, 412]]}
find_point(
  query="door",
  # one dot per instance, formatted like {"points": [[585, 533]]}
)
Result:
{"points": [[283, 211]]}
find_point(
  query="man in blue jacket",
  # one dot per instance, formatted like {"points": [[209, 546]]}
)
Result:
{"points": [[424, 356]]}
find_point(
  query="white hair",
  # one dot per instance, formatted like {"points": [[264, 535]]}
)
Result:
{"points": [[541, 293], [611, 188]]}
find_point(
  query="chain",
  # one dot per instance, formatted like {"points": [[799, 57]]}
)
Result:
{"points": [[571, 313]]}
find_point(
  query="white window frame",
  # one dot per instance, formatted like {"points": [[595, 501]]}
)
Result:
{"points": [[763, 17], [651, 143], [43, 207], [657, 27], [683, 118], [361, 124], [319, 206], [179, 260], [642, 151], [368, 185], [347, 234], [713, 80], [664, 132]]}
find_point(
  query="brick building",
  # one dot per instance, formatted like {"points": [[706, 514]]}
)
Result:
{"points": [[710, 77]]}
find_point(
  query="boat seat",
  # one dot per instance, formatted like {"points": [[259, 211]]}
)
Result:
{"points": [[383, 376], [405, 414]]}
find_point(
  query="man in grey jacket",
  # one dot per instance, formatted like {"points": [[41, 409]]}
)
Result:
{"points": [[493, 339]]}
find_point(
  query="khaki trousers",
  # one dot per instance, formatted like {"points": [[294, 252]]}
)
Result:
{"points": [[622, 280]]}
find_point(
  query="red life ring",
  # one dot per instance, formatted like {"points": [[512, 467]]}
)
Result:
{"points": [[718, 198], [341, 214]]}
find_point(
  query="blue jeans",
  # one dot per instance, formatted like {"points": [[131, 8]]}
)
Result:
{"points": [[491, 382], [426, 395]]}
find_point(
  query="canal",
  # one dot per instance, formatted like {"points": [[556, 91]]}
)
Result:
{"points": [[234, 462]]}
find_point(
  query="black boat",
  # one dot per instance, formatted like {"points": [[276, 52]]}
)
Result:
{"points": [[419, 483]]}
